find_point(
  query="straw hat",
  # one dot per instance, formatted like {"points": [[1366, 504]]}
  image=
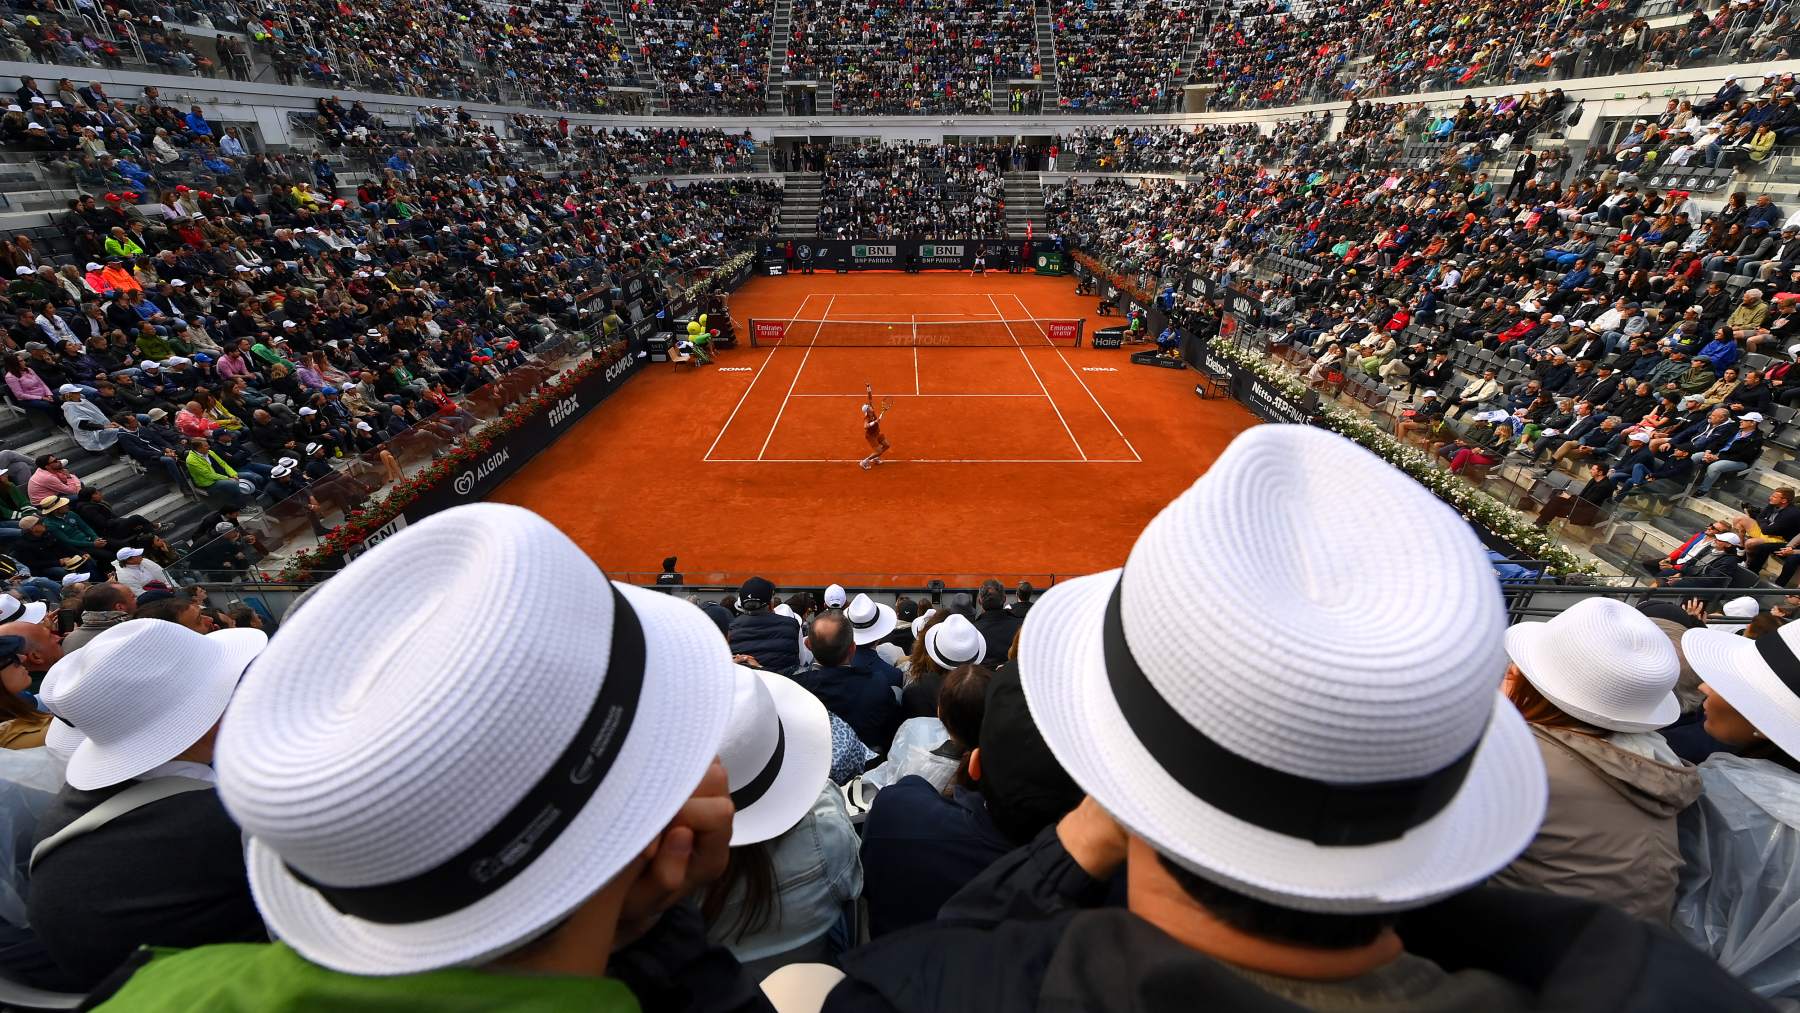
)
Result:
{"points": [[1601, 661], [777, 754], [955, 642], [142, 692], [1295, 725], [870, 619], [1759, 678], [405, 816]]}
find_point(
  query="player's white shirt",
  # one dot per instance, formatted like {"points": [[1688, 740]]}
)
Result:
{"points": [[870, 419]]}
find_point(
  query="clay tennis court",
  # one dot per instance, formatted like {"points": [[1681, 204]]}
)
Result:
{"points": [[1016, 457]]}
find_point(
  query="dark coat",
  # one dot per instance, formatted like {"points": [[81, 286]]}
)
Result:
{"points": [[997, 628], [168, 874], [866, 702], [773, 640], [1028, 935]]}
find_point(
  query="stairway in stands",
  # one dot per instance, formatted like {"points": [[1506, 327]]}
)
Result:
{"points": [[999, 95], [799, 216], [1024, 204], [1046, 40], [658, 99], [780, 31]]}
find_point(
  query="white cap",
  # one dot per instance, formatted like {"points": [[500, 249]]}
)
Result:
{"points": [[128, 552]]}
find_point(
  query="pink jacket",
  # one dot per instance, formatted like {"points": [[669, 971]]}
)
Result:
{"points": [[28, 386], [49, 483]]}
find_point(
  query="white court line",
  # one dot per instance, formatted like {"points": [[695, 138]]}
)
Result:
{"points": [[1040, 381], [753, 379], [1065, 361], [925, 460], [796, 380], [859, 397], [915, 325]]}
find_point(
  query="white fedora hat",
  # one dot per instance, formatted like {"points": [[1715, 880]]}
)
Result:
{"points": [[918, 625], [12, 610], [402, 815], [142, 692], [1601, 661], [61, 740], [870, 619], [955, 642], [777, 754], [1759, 678], [1292, 724]]}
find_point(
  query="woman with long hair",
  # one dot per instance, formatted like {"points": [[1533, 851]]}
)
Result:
{"points": [[794, 870], [22, 725]]}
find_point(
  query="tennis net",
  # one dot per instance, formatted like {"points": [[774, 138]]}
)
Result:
{"points": [[915, 333]]}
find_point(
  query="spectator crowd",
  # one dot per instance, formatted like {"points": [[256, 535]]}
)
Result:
{"points": [[914, 191], [913, 56]]}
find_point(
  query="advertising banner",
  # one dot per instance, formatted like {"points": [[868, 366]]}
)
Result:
{"points": [[899, 254], [768, 332]]}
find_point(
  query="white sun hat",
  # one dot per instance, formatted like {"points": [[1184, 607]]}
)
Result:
{"points": [[1603, 662], [918, 625], [384, 785], [1291, 724], [870, 619], [61, 740], [142, 692], [955, 642], [1759, 678], [835, 596], [12, 610], [1738, 612], [776, 752]]}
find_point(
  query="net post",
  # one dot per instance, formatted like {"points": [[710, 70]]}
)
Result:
{"points": [[753, 342], [1080, 326]]}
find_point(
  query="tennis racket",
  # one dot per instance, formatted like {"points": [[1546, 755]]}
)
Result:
{"points": [[887, 405]]}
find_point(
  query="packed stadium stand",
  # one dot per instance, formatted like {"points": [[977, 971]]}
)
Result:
{"points": [[1483, 678]]}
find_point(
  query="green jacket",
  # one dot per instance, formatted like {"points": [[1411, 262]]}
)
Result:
{"points": [[1697, 378], [207, 470], [68, 528], [154, 346], [272, 978]]}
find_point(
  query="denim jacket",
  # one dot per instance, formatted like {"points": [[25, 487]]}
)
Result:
{"points": [[817, 872]]}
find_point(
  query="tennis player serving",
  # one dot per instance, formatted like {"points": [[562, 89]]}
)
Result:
{"points": [[878, 443]]}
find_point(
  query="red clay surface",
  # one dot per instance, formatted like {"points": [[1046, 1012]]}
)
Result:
{"points": [[1020, 461]]}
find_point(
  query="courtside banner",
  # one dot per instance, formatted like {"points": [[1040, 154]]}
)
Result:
{"points": [[899, 254], [768, 332], [1064, 330]]}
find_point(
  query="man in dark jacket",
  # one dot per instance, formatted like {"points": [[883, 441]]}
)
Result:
{"points": [[169, 872], [141, 445], [996, 622], [866, 703], [1775, 524], [1262, 874], [1734, 455], [772, 639]]}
